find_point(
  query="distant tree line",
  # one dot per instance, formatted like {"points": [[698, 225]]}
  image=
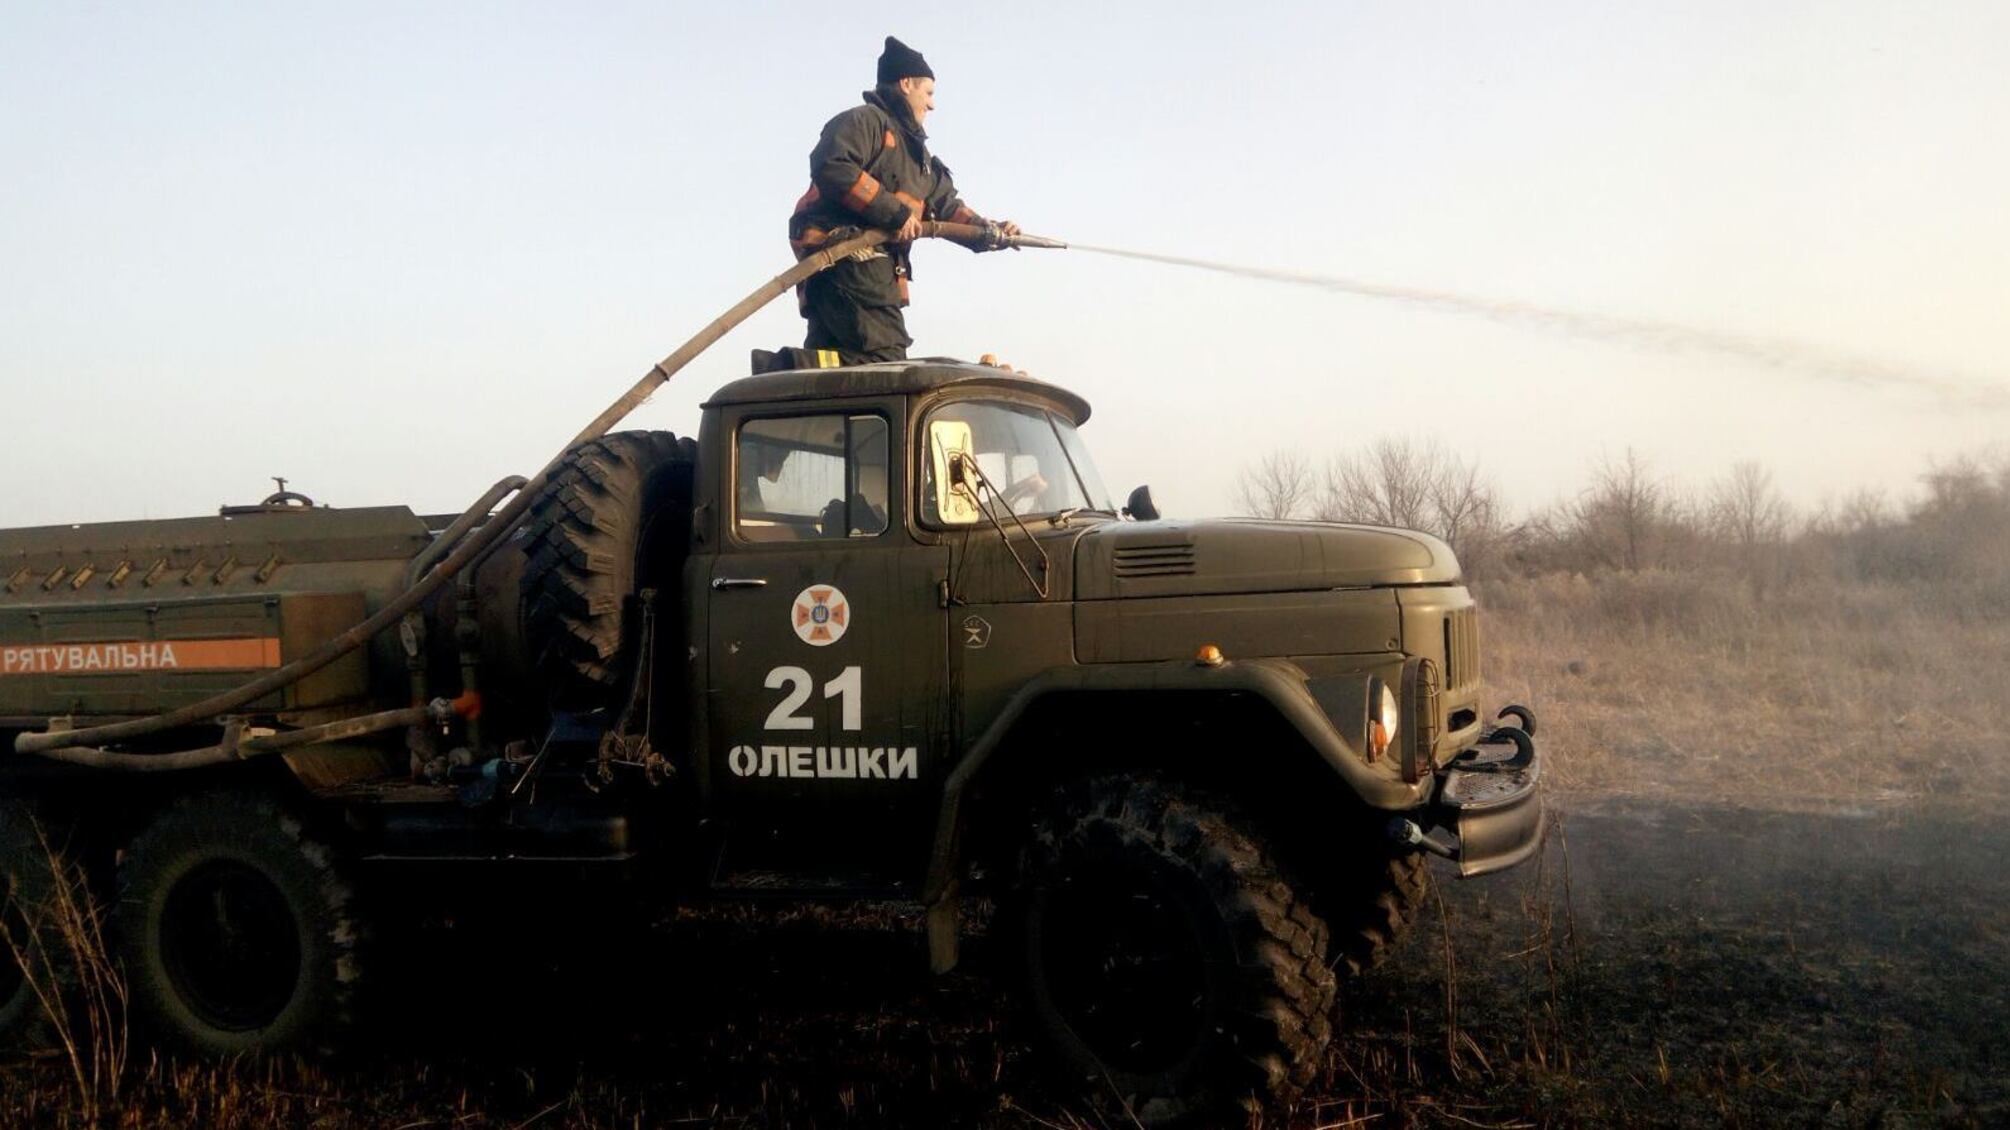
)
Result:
{"points": [[1955, 529]]}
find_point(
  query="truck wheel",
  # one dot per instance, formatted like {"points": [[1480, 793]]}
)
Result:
{"points": [[27, 888], [1168, 960], [1370, 911], [237, 930], [583, 541]]}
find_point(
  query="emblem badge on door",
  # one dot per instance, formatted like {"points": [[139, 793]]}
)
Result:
{"points": [[821, 615]]}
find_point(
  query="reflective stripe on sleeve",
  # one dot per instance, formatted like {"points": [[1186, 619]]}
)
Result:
{"points": [[863, 192]]}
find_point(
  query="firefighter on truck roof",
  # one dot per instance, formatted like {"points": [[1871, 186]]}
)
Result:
{"points": [[870, 169]]}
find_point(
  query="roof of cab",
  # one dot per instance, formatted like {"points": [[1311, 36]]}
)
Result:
{"points": [[890, 378]]}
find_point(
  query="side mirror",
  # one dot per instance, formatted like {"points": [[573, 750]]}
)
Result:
{"points": [[949, 451], [1141, 506]]}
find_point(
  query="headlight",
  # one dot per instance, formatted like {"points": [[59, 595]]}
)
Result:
{"points": [[1384, 718]]}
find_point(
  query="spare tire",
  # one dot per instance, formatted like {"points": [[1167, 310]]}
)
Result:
{"points": [[587, 544]]}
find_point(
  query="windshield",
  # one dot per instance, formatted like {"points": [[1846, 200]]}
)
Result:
{"points": [[1033, 459]]}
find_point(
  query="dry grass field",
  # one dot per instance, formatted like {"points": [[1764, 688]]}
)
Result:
{"points": [[1682, 687], [1776, 892]]}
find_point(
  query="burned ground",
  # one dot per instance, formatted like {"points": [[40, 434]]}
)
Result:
{"points": [[1665, 965], [1706, 965]]}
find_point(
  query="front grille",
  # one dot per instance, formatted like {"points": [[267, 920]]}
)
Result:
{"points": [[1462, 648], [1153, 561]]}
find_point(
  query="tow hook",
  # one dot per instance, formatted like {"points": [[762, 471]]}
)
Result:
{"points": [[1406, 833]]}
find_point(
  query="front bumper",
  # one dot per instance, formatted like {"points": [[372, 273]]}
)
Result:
{"points": [[1489, 800]]}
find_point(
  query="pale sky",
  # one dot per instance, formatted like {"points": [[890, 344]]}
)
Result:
{"points": [[395, 252]]}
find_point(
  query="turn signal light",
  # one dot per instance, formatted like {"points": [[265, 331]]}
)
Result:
{"points": [[1378, 740], [1209, 656]]}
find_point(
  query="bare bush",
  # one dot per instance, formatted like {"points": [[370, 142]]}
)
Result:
{"points": [[1865, 509], [1279, 485], [1390, 484], [1618, 516], [1416, 486], [1470, 517], [1740, 531], [1955, 536], [1749, 518], [1962, 490]]}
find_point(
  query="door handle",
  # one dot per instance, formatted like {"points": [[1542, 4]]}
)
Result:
{"points": [[723, 583]]}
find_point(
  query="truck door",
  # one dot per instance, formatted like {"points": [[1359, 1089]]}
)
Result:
{"points": [[827, 647]]}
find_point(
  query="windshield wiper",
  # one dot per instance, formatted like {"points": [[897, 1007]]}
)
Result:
{"points": [[977, 492]]}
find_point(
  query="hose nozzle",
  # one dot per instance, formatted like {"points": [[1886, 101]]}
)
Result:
{"points": [[983, 237], [995, 239]]}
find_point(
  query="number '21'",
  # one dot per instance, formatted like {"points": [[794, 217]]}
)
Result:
{"points": [[848, 688]]}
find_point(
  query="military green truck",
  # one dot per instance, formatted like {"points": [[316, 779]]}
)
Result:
{"points": [[878, 632]]}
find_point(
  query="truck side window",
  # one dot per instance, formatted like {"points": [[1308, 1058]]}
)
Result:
{"points": [[803, 478]]}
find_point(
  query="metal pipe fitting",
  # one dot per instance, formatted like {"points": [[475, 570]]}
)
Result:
{"points": [[234, 748]]}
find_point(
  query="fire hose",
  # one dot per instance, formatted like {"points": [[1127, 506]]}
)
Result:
{"points": [[79, 746]]}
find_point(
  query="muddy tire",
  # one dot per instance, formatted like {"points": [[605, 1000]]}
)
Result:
{"points": [[1368, 912], [583, 544], [1167, 960], [237, 930], [28, 878]]}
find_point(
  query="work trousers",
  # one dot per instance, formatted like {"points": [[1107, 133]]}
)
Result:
{"points": [[850, 312]]}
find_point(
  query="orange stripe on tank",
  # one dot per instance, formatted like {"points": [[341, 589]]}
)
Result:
{"points": [[241, 654]]}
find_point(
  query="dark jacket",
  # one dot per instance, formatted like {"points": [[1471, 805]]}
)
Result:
{"points": [[872, 169]]}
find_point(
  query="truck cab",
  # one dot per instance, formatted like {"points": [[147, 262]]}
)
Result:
{"points": [[900, 572]]}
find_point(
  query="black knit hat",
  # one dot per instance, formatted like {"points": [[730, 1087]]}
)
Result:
{"points": [[900, 61]]}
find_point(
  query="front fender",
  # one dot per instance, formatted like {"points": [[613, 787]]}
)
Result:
{"points": [[1278, 682]]}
